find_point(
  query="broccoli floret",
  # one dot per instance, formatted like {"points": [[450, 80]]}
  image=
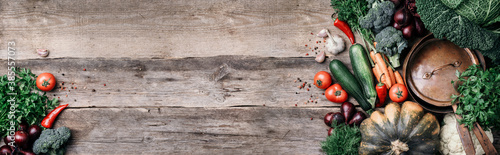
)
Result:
{"points": [[378, 17], [390, 42], [51, 141]]}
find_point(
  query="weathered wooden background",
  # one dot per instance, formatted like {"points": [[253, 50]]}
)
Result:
{"points": [[154, 80]]}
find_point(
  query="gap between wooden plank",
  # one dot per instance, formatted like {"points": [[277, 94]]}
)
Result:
{"points": [[187, 82]]}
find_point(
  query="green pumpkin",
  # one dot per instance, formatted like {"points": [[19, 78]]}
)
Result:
{"points": [[401, 130]]}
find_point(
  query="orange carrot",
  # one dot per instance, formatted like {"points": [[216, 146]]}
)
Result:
{"points": [[399, 79], [391, 74], [378, 73], [375, 73], [372, 55], [375, 44], [383, 68]]}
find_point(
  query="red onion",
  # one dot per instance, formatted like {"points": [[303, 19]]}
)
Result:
{"points": [[357, 118], [408, 31], [402, 17], [348, 110], [328, 119], [34, 132], [419, 26], [396, 25], [7, 139], [21, 139], [5, 150], [23, 127], [330, 131]]}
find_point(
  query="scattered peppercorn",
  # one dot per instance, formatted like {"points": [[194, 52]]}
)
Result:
{"points": [[307, 89], [311, 118], [93, 90], [307, 54], [104, 84], [312, 33], [84, 69], [62, 74], [306, 45], [295, 104]]}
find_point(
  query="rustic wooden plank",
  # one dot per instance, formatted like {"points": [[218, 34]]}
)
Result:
{"points": [[244, 130], [187, 82], [162, 29]]}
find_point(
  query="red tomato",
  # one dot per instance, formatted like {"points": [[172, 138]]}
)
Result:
{"points": [[45, 82], [336, 94], [398, 93], [322, 80]]}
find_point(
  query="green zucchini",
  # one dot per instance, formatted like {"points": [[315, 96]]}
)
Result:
{"points": [[349, 83], [363, 72]]}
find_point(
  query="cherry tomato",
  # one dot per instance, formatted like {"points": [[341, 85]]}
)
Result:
{"points": [[322, 80], [398, 93], [45, 82], [336, 94]]}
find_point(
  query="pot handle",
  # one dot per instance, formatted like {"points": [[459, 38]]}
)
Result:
{"points": [[428, 75]]}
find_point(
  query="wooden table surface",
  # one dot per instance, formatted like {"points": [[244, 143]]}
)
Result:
{"points": [[179, 77]]}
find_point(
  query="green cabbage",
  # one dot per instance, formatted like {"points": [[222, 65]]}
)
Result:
{"points": [[480, 12]]}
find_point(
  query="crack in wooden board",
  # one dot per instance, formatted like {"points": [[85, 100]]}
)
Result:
{"points": [[196, 130], [252, 81], [163, 29]]}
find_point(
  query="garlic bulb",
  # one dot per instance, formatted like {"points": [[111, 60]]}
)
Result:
{"points": [[320, 57], [334, 44], [323, 33], [42, 52]]}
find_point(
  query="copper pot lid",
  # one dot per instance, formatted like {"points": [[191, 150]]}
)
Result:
{"points": [[431, 68]]}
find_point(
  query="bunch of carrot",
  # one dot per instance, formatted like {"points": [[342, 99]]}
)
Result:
{"points": [[390, 76]]}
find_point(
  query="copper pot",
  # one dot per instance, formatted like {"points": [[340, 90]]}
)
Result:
{"points": [[429, 69]]}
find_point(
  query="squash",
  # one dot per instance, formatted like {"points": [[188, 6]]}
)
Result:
{"points": [[402, 129]]}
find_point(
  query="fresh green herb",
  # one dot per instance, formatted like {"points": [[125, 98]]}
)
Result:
{"points": [[344, 140], [31, 106], [479, 96]]}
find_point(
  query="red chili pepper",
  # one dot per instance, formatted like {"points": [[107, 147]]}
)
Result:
{"points": [[381, 93], [49, 119], [345, 28]]}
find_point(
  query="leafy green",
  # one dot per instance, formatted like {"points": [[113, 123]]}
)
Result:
{"points": [[452, 3], [31, 106], [444, 22], [479, 96], [344, 140], [479, 12]]}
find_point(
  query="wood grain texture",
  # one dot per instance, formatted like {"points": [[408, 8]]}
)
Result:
{"points": [[243, 130], [186, 82], [163, 29]]}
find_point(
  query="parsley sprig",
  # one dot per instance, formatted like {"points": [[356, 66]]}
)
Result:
{"points": [[31, 103], [479, 99], [344, 140]]}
